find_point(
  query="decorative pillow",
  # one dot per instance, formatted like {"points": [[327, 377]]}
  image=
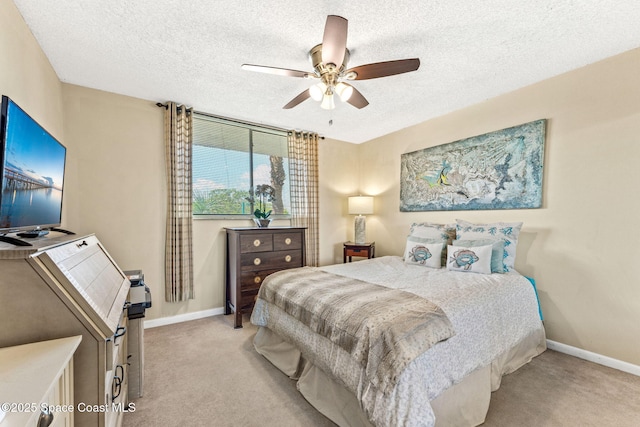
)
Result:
{"points": [[430, 230], [424, 252], [469, 259], [508, 232], [497, 251]]}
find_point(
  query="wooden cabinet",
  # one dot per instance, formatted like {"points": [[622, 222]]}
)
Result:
{"points": [[69, 286], [253, 254]]}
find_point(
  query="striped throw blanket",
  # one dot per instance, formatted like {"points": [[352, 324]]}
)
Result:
{"points": [[383, 329]]}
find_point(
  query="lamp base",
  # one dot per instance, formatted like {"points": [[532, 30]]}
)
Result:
{"points": [[360, 226]]}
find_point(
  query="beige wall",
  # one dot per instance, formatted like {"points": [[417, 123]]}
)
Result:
{"points": [[26, 76], [582, 246]]}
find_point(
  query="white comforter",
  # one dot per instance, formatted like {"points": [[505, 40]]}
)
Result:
{"points": [[490, 313]]}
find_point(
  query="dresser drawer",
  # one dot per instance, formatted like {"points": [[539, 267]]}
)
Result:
{"points": [[250, 286], [250, 243], [247, 300], [357, 252], [285, 241], [276, 259], [253, 279]]}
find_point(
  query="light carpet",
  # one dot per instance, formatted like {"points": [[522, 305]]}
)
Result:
{"points": [[206, 373]]}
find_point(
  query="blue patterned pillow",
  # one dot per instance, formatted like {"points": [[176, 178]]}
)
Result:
{"points": [[508, 232], [469, 259]]}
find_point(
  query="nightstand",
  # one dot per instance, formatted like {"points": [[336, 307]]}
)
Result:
{"points": [[351, 249]]}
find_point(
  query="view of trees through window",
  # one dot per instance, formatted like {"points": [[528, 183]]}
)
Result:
{"points": [[230, 160]]}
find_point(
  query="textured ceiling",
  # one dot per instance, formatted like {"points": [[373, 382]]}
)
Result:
{"points": [[191, 52]]}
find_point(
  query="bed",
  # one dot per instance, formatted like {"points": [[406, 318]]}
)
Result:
{"points": [[481, 327]]}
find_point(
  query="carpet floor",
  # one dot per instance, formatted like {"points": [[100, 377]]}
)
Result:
{"points": [[205, 373]]}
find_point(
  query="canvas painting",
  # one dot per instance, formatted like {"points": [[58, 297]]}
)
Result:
{"points": [[497, 170]]}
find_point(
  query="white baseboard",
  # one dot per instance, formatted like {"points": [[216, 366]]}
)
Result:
{"points": [[163, 321], [594, 357]]}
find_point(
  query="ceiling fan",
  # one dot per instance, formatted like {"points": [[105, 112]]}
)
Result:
{"points": [[329, 61]]}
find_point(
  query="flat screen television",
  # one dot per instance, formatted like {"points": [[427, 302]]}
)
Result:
{"points": [[32, 173]]}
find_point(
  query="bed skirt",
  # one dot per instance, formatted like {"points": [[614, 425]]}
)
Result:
{"points": [[463, 404]]}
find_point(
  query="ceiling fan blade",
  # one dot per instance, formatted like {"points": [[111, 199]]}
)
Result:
{"points": [[275, 70], [356, 99], [334, 41], [383, 69], [297, 100]]}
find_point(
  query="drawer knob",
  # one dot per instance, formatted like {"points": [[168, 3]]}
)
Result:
{"points": [[287, 241], [257, 261], [287, 258], [257, 280], [45, 419], [256, 243]]}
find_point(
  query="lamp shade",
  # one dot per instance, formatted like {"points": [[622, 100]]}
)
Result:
{"points": [[361, 205], [344, 91], [327, 102]]}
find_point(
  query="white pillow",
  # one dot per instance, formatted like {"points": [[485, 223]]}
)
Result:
{"points": [[469, 259], [497, 252], [508, 232], [419, 252], [429, 230]]}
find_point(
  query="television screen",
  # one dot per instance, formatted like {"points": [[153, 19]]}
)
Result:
{"points": [[32, 172]]}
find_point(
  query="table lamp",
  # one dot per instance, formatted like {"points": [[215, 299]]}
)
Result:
{"points": [[360, 205]]}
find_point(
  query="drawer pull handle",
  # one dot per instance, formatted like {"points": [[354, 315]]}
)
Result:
{"points": [[257, 261], [257, 280], [45, 419], [116, 385], [287, 258], [256, 243], [120, 331], [287, 241]]}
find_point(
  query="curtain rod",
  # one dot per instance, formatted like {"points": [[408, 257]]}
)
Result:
{"points": [[165, 106]]}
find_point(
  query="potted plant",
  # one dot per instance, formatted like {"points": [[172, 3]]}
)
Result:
{"points": [[264, 193]]}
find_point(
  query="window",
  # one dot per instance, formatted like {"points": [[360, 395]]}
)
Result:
{"points": [[230, 159]]}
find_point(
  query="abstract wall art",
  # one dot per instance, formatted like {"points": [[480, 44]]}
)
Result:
{"points": [[497, 170]]}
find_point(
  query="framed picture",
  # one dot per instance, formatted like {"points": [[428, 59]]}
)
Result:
{"points": [[497, 170]]}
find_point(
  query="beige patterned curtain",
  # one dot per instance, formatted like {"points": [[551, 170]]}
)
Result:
{"points": [[178, 245], [303, 177]]}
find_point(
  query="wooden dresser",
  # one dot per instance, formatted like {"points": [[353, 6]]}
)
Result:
{"points": [[253, 254]]}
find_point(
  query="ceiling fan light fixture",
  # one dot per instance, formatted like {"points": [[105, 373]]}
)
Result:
{"points": [[344, 91], [329, 60], [327, 102], [317, 91]]}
